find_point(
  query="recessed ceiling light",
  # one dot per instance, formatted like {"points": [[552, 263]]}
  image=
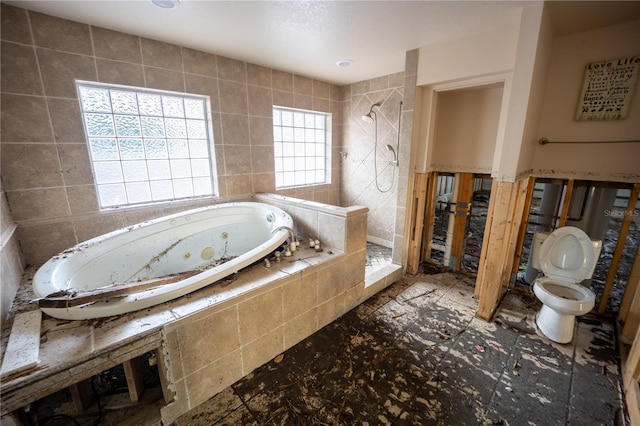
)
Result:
{"points": [[344, 63], [166, 4]]}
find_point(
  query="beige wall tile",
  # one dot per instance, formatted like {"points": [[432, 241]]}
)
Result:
{"points": [[239, 184], [93, 227], [261, 131], [158, 78], [333, 230], [237, 159], [235, 129], [354, 268], [205, 86], [204, 341], [38, 203], [75, 163], [281, 80], [60, 70], [379, 83], [305, 222], [396, 80], [300, 296], [38, 241], [322, 89], [331, 282], [29, 165], [232, 69], [261, 159], [66, 120], [115, 45], [14, 24], [212, 379], [82, 199], [330, 310], [263, 349], [302, 85], [60, 34], [266, 306], [356, 232], [161, 55], [258, 75], [197, 62], [264, 182], [282, 98], [19, 69], [233, 97], [323, 105], [300, 328], [25, 119], [302, 101], [116, 72], [260, 101]]}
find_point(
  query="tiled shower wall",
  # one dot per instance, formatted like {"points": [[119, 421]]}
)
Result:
{"points": [[362, 183], [46, 171]]}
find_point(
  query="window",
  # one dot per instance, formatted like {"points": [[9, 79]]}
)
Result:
{"points": [[147, 146], [302, 147]]}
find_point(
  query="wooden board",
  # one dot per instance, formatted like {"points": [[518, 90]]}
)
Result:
{"points": [[64, 300], [23, 347]]}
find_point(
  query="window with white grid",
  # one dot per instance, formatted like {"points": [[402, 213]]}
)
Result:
{"points": [[302, 147], [147, 146]]}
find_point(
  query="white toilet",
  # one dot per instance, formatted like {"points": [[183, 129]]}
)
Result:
{"points": [[566, 257]]}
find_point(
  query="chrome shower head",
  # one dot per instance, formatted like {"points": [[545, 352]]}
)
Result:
{"points": [[393, 151], [371, 115]]}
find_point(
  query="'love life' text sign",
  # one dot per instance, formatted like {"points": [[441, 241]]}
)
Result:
{"points": [[607, 89]]}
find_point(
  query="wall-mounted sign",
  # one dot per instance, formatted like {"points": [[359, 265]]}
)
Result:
{"points": [[607, 89]]}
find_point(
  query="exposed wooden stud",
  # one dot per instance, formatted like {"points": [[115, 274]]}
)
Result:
{"points": [[134, 379], [427, 233], [485, 238], [617, 254], [565, 204], [494, 252], [522, 232], [81, 395], [517, 219], [630, 376], [417, 222], [460, 218], [496, 269], [629, 307], [632, 322]]}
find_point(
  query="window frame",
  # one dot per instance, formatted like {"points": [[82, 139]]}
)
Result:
{"points": [[295, 160], [205, 140]]}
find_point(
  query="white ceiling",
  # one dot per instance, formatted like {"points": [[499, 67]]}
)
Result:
{"points": [[308, 37]]}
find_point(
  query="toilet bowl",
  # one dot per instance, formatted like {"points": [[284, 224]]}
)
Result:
{"points": [[566, 257]]}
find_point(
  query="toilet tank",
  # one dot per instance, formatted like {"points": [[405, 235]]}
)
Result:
{"points": [[539, 238]]}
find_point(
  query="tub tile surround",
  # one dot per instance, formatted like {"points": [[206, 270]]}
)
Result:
{"points": [[45, 165], [211, 338]]}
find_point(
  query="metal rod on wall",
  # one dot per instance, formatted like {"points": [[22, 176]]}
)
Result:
{"points": [[545, 141]]}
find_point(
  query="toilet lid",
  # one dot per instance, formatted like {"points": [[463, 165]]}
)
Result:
{"points": [[567, 255]]}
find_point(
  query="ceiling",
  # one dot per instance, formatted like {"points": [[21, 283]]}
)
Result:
{"points": [[309, 37]]}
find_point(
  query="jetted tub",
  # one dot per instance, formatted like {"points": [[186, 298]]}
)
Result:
{"points": [[198, 247]]}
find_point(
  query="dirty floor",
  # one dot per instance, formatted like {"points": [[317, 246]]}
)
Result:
{"points": [[415, 354]]}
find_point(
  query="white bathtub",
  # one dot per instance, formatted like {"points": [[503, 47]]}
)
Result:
{"points": [[237, 234]]}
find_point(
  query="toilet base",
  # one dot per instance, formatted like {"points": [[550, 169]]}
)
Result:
{"points": [[554, 325]]}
